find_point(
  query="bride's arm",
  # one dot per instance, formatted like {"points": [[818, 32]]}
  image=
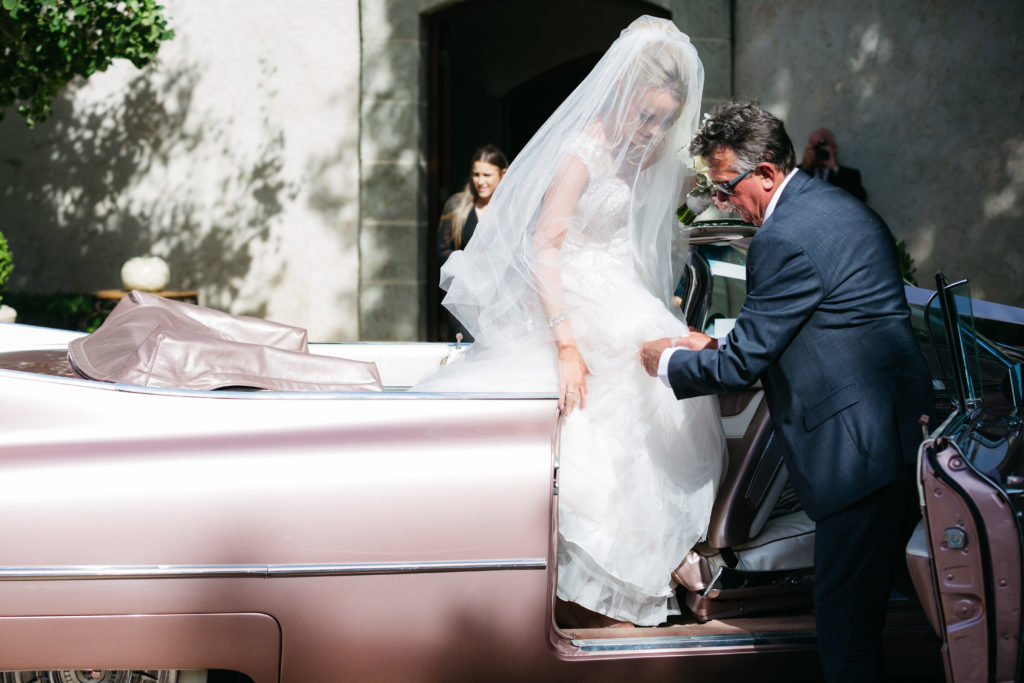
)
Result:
{"points": [[556, 214]]}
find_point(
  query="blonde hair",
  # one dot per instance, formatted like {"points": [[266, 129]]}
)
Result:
{"points": [[455, 218], [660, 63], [660, 67], [657, 66]]}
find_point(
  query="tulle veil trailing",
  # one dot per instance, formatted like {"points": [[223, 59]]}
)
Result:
{"points": [[495, 286]]}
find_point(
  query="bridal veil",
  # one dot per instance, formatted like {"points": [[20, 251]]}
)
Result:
{"points": [[496, 285]]}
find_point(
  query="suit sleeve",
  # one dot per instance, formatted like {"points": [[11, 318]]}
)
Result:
{"points": [[784, 289]]}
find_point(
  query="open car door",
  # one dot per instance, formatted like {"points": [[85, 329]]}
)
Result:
{"points": [[966, 555]]}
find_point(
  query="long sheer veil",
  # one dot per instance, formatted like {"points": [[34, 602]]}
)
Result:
{"points": [[497, 284]]}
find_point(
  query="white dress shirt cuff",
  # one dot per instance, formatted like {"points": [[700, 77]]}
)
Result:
{"points": [[663, 365], [667, 354]]}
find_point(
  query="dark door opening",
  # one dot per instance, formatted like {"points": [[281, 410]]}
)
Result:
{"points": [[497, 69]]}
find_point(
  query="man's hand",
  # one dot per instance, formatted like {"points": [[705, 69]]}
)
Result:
{"points": [[697, 341], [811, 161], [650, 352]]}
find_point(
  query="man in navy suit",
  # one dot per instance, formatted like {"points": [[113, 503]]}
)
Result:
{"points": [[826, 328]]}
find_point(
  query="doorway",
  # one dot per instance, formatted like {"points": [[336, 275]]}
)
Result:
{"points": [[497, 69]]}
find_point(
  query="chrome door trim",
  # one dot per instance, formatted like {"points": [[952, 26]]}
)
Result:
{"points": [[260, 571], [681, 642]]}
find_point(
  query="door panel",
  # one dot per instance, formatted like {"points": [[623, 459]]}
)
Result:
{"points": [[975, 547]]}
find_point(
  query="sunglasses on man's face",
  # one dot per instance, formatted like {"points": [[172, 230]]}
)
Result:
{"points": [[729, 188]]}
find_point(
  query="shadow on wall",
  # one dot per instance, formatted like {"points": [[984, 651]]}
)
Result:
{"points": [[933, 124], [331, 184], [139, 172]]}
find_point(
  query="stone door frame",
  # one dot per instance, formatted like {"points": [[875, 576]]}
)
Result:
{"points": [[393, 148]]}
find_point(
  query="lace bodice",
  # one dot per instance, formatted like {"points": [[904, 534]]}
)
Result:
{"points": [[601, 212], [598, 240]]}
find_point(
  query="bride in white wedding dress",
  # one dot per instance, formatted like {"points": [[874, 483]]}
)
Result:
{"points": [[567, 274]]}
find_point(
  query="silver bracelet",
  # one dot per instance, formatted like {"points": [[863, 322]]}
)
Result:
{"points": [[559, 318]]}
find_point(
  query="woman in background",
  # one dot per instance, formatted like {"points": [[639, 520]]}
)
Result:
{"points": [[463, 210]]}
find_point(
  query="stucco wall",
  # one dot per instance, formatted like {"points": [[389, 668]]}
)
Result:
{"points": [[277, 156], [236, 160], [925, 98]]}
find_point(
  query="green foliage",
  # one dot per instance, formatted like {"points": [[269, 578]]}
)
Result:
{"points": [[46, 43], [62, 310], [6, 264], [907, 267]]}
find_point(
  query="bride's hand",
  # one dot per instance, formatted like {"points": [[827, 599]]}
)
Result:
{"points": [[572, 382]]}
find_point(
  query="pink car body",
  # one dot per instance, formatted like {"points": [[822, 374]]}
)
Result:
{"points": [[321, 536], [186, 536]]}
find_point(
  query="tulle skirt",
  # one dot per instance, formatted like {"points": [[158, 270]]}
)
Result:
{"points": [[637, 479], [638, 469]]}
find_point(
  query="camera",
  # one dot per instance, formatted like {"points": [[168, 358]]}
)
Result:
{"points": [[821, 151]]}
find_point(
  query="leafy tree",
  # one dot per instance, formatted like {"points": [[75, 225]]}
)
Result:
{"points": [[907, 267], [6, 264], [46, 43]]}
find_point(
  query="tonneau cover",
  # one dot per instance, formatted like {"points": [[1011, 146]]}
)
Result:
{"points": [[152, 341]]}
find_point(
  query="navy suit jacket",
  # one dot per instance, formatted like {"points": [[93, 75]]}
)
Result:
{"points": [[826, 327]]}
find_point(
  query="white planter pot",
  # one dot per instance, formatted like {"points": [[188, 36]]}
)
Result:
{"points": [[145, 273]]}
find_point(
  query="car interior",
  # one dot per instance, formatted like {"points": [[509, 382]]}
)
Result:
{"points": [[751, 580]]}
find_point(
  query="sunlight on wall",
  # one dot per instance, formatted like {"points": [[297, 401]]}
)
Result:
{"points": [[234, 158], [1006, 202], [931, 122]]}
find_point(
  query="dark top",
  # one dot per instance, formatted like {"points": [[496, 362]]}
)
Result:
{"points": [[846, 178], [445, 233]]}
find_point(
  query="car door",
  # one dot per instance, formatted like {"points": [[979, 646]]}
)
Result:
{"points": [[972, 496]]}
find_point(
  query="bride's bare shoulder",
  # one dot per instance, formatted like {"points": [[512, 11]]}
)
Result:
{"points": [[590, 146], [595, 132]]}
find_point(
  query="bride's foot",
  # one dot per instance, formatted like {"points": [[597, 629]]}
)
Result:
{"points": [[619, 624], [571, 615]]}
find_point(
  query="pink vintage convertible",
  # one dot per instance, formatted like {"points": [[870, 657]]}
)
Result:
{"points": [[362, 532]]}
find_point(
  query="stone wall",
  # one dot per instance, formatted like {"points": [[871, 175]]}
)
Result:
{"points": [[925, 100], [393, 165]]}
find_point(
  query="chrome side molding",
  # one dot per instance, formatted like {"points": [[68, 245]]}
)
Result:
{"points": [[260, 571]]}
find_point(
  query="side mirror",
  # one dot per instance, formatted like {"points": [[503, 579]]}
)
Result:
{"points": [[1013, 385]]}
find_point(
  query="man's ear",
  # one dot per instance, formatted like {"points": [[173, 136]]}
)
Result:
{"points": [[768, 175]]}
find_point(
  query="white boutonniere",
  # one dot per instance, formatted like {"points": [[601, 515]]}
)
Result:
{"points": [[700, 197]]}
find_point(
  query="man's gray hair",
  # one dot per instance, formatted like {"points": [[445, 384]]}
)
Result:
{"points": [[752, 133]]}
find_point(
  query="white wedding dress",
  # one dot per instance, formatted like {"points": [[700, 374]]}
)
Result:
{"points": [[638, 468]]}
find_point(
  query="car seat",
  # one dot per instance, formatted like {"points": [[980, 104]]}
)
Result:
{"points": [[759, 552]]}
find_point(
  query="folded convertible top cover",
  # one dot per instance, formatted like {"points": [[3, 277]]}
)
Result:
{"points": [[152, 341]]}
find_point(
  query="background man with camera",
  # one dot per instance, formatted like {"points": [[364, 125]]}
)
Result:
{"points": [[820, 162]]}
